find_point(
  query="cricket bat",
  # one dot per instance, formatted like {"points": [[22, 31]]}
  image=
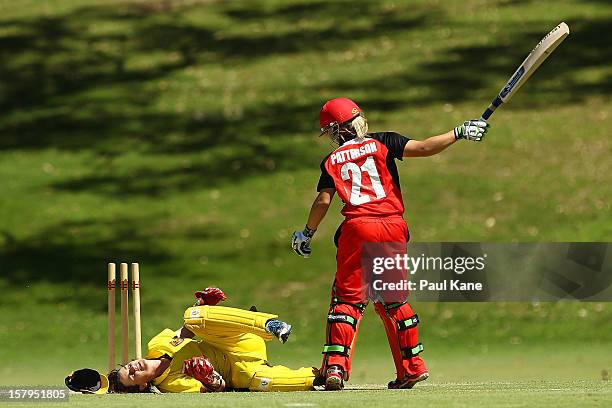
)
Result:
{"points": [[535, 58]]}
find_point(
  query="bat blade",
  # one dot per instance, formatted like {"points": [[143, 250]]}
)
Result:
{"points": [[535, 58]]}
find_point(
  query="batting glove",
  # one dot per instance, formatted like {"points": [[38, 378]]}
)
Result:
{"points": [[474, 130], [209, 296], [300, 242]]}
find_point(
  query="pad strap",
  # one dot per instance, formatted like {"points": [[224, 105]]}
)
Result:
{"points": [[391, 306], [336, 349], [412, 351], [408, 323], [360, 306]]}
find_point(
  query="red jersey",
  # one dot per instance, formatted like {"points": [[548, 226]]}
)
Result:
{"points": [[365, 175]]}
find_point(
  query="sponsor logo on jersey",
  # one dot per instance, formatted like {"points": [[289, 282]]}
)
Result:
{"points": [[194, 312], [264, 383], [176, 341]]}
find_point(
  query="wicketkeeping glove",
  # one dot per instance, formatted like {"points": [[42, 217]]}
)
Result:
{"points": [[202, 370], [474, 130], [209, 296], [300, 242], [199, 368]]}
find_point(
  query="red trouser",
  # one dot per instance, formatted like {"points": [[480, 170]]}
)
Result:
{"points": [[350, 297]]}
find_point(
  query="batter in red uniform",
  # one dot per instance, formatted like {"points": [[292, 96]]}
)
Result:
{"points": [[362, 171]]}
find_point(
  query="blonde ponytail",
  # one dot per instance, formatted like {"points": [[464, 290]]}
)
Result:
{"points": [[360, 125]]}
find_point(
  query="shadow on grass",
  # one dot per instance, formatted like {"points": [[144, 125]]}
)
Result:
{"points": [[77, 252], [70, 86], [465, 71], [555, 81], [73, 82], [91, 94]]}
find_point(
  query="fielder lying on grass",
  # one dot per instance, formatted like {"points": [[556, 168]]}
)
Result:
{"points": [[217, 349]]}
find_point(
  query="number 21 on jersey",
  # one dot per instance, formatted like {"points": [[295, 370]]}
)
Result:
{"points": [[351, 171]]}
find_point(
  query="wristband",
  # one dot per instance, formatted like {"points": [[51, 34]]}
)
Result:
{"points": [[309, 232], [457, 132]]}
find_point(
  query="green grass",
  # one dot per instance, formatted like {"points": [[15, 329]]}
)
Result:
{"points": [[182, 135]]}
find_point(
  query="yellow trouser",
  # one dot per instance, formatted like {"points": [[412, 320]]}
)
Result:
{"points": [[240, 334]]}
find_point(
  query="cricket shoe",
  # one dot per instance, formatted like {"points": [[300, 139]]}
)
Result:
{"points": [[407, 382], [334, 379], [279, 329]]}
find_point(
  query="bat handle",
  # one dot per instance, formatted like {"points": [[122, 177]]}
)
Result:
{"points": [[486, 114], [494, 105]]}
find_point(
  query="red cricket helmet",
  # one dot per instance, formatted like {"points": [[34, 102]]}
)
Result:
{"points": [[337, 111]]}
